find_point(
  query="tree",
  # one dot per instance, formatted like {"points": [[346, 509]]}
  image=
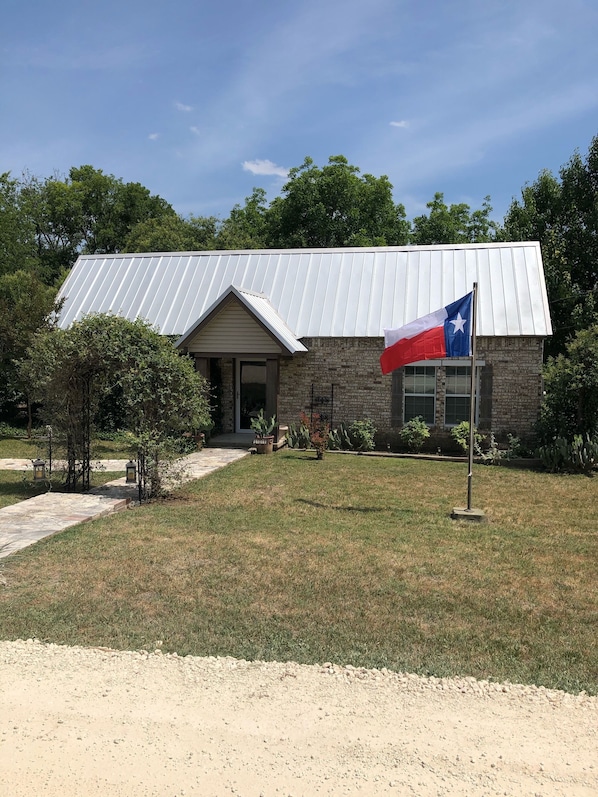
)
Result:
{"points": [[173, 234], [88, 212], [455, 224], [334, 206], [563, 215], [246, 227], [17, 235], [26, 305], [571, 381], [71, 371]]}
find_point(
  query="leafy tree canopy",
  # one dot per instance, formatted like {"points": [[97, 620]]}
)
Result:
{"points": [[571, 380], [335, 206], [454, 224], [562, 213], [71, 372], [173, 234], [86, 213], [26, 305], [17, 234]]}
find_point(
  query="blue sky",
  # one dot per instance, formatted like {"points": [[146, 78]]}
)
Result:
{"points": [[201, 101]]}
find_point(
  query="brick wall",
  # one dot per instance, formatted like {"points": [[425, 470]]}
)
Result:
{"points": [[360, 390], [345, 373], [516, 382]]}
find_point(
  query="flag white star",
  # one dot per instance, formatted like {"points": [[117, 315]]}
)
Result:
{"points": [[459, 323]]}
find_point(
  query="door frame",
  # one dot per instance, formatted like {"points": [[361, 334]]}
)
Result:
{"points": [[238, 361]]}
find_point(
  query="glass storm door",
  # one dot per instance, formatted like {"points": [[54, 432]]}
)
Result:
{"points": [[251, 392]]}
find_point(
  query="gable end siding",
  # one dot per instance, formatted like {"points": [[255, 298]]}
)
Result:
{"points": [[233, 330]]}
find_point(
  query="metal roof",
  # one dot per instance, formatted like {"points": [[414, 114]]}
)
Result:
{"points": [[352, 292]]}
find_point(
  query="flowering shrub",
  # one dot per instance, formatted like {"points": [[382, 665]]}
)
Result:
{"points": [[319, 432]]}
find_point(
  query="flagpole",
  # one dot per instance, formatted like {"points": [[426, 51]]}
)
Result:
{"points": [[472, 390]]}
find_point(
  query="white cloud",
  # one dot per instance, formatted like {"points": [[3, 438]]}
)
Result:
{"points": [[182, 107], [264, 167], [402, 123], [154, 136], [195, 130]]}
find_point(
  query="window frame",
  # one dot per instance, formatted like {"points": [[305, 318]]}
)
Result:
{"points": [[421, 395], [457, 395]]}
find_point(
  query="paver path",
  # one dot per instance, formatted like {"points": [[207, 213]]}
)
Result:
{"points": [[24, 523]]}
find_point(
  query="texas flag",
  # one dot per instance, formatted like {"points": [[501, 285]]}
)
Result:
{"points": [[444, 333]]}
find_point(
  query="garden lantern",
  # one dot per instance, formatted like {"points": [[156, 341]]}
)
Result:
{"points": [[39, 470], [131, 471]]}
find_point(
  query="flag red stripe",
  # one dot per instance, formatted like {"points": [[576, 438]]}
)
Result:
{"points": [[426, 346]]}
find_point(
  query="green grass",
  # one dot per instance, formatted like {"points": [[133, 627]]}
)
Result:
{"points": [[16, 486], [352, 560], [21, 448]]}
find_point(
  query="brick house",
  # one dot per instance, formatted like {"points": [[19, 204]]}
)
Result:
{"points": [[293, 330]]}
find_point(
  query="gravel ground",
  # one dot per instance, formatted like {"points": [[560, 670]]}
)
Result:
{"points": [[85, 722]]}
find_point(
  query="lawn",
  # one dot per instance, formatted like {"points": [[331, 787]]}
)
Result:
{"points": [[352, 560], [22, 448]]}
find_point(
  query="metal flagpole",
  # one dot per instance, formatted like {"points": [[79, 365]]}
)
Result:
{"points": [[472, 391]]}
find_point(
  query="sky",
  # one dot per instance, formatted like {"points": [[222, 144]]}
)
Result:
{"points": [[201, 101]]}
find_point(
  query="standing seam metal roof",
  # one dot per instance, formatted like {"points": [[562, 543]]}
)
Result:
{"points": [[352, 292]]}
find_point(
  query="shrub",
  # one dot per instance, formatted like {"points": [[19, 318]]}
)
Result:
{"points": [[319, 431], [579, 455], [460, 435], [414, 434], [340, 439], [6, 430], [298, 436], [362, 435]]}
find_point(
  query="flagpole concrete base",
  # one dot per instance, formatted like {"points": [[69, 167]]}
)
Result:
{"points": [[468, 514]]}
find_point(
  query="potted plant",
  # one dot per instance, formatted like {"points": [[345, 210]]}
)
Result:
{"points": [[263, 428]]}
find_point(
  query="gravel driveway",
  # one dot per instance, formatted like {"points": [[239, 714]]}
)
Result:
{"points": [[79, 722]]}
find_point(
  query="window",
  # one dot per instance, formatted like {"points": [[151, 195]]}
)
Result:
{"points": [[420, 393], [457, 404]]}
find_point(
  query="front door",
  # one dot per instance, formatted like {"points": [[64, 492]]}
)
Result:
{"points": [[251, 392]]}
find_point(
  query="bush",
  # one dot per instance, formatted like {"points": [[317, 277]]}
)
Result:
{"points": [[460, 435], [570, 406], [579, 455], [6, 430], [362, 435], [414, 434], [298, 435], [340, 439]]}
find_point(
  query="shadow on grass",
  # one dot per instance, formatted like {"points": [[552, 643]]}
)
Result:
{"points": [[363, 509]]}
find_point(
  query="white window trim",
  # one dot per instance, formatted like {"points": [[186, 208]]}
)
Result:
{"points": [[424, 364], [456, 364]]}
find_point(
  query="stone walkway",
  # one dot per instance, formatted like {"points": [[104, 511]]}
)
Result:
{"points": [[27, 522]]}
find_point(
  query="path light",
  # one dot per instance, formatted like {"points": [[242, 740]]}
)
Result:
{"points": [[131, 471], [39, 470]]}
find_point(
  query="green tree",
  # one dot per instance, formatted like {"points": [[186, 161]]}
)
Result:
{"points": [[333, 206], [563, 215], [17, 235], [246, 227], [570, 406], [454, 224], [72, 371], [88, 212], [26, 305], [173, 234]]}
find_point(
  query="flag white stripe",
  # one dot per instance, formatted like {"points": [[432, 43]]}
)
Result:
{"points": [[414, 328]]}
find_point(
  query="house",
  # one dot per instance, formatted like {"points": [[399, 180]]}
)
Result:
{"points": [[302, 330]]}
